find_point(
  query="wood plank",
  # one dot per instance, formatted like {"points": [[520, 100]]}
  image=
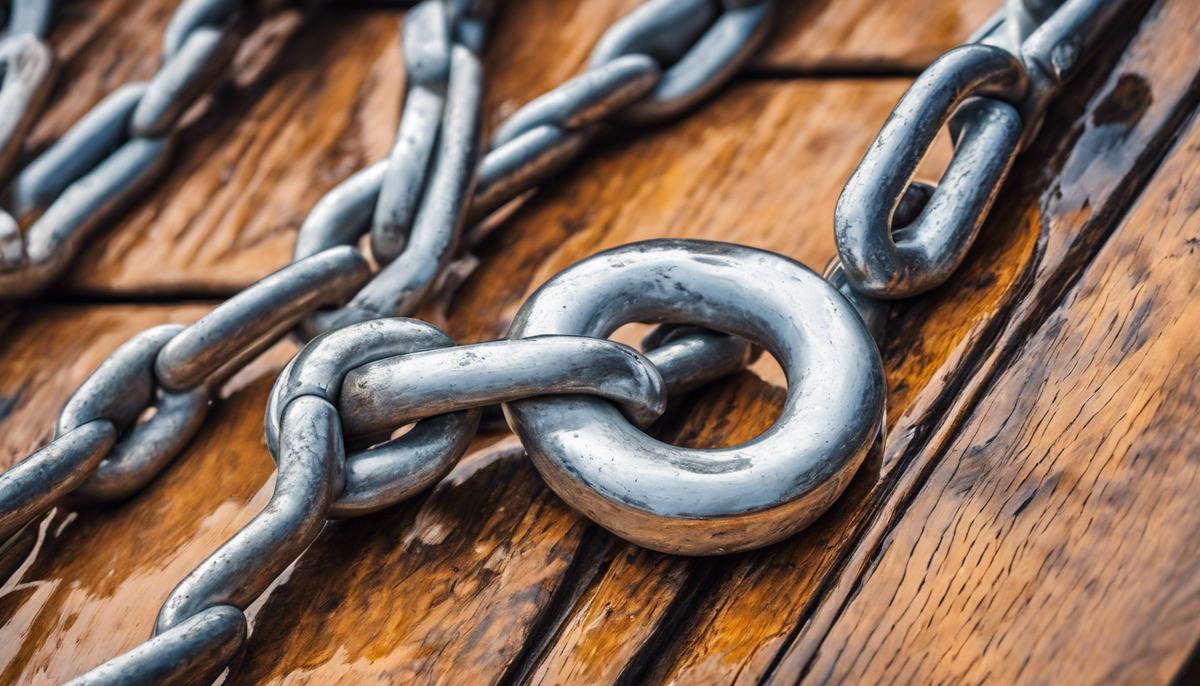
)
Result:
{"points": [[313, 102], [1055, 539]]}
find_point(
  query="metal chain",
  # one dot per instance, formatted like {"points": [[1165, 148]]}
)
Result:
{"points": [[415, 204], [651, 65], [181, 367], [114, 151]]}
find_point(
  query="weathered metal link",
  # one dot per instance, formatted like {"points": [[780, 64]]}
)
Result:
{"points": [[653, 64], [115, 151], [249, 322], [993, 92], [382, 474], [886, 267], [559, 379], [699, 61], [35, 484]]}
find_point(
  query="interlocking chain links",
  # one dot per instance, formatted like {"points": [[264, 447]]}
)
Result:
{"points": [[102, 451], [994, 93], [114, 151], [26, 74], [652, 64], [575, 400]]}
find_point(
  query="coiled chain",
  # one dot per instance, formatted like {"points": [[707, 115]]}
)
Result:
{"points": [[114, 151]]}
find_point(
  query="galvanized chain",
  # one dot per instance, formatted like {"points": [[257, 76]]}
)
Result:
{"points": [[651, 65], [898, 238], [114, 151], [576, 400]]}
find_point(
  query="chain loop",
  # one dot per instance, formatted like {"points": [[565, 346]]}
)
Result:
{"points": [[26, 74], [994, 93]]}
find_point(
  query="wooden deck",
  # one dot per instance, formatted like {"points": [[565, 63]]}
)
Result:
{"points": [[1031, 518]]}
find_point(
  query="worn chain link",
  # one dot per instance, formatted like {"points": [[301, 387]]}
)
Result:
{"points": [[993, 92], [114, 151]]}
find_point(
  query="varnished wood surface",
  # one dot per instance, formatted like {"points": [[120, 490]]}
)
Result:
{"points": [[490, 578]]}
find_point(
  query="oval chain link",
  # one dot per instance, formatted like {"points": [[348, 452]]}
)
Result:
{"points": [[993, 92]]}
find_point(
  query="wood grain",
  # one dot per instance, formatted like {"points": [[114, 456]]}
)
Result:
{"points": [[313, 101], [1055, 540]]}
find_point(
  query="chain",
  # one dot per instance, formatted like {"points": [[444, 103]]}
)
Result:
{"points": [[577, 400], [114, 151]]}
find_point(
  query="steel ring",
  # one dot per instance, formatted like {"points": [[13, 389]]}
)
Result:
{"points": [[706, 501]]}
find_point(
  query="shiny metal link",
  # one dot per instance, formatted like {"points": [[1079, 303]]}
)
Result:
{"points": [[661, 59], [114, 152], [104, 451], [993, 92], [28, 17], [699, 43], [568, 393]]}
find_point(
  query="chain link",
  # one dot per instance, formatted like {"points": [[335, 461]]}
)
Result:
{"points": [[993, 92], [114, 152]]}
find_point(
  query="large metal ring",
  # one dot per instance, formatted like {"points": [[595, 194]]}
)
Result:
{"points": [[694, 501]]}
